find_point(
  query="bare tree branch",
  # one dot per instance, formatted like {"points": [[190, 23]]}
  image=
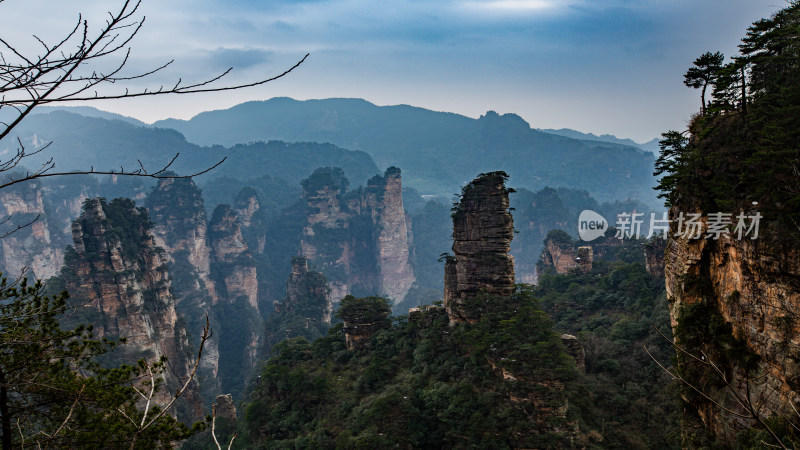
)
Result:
{"points": [[744, 401], [66, 70], [213, 428], [147, 423]]}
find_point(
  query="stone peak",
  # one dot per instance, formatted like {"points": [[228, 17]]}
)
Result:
{"points": [[482, 232]]}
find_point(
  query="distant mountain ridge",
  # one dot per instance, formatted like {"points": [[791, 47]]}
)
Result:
{"points": [[80, 142], [650, 146], [438, 151]]}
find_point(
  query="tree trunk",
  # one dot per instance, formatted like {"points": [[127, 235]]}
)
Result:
{"points": [[703, 98], [744, 93], [5, 415]]}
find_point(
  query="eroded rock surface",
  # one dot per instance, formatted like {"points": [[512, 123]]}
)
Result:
{"points": [[118, 271], [482, 232], [750, 291]]}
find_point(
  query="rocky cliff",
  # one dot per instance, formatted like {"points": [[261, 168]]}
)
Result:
{"points": [[233, 269], [654, 256], [30, 247], [176, 208], [559, 252], [482, 232], [584, 259], [252, 219], [234, 265], [305, 311], [119, 275], [393, 239], [306, 291], [358, 238], [362, 318], [736, 303]]}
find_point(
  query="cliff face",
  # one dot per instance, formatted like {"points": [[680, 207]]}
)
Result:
{"points": [[393, 244], [306, 309], [233, 269], [654, 256], [559, 252], [358, 238], [117, 269], [738, 302], [32, 246], [307, 291], [251, 218], [175, 206], [234, 263], [482, 232]]}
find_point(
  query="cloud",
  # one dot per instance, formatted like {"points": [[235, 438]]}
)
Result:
{"points": [[241, 58], [577, 63], [514, 6]]}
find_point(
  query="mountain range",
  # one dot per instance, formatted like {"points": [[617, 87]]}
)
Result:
{"points": [[437, 151]]}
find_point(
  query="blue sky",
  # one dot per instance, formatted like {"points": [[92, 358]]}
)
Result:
{"points": [[601, 66]]}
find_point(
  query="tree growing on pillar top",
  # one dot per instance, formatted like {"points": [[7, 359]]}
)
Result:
{"points": [[705, 71]]}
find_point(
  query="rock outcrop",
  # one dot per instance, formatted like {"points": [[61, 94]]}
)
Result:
{"points": [[584, 259], [30, 247], [559, 252], [179, 218], [393, 243], [305, 311], [252, 219], [482, 232], [306, 290], [358, 238], [654, 256], [176, 208], [362, 318], [224, 408], [233, 269], [233, 262], [116, 269], [576, 350], [738, 302]]}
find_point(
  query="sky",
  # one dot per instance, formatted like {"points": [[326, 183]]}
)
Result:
{"points": [[599, 66]]}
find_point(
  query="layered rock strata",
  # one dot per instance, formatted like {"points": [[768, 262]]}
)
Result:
{"points": [[233, 261], [559, 252], [654, 256], [362, 318], [737, 301], [482, 232], [252, 219], [29, 246], [359, 238], [306, 288], [119, 275], [176, 208]]}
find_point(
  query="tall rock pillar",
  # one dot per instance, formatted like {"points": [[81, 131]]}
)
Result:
{"points": [[482, 232]]}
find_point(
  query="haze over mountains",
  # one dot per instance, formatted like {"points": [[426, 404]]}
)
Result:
{"points": [[437, 151], [650, 146]]}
